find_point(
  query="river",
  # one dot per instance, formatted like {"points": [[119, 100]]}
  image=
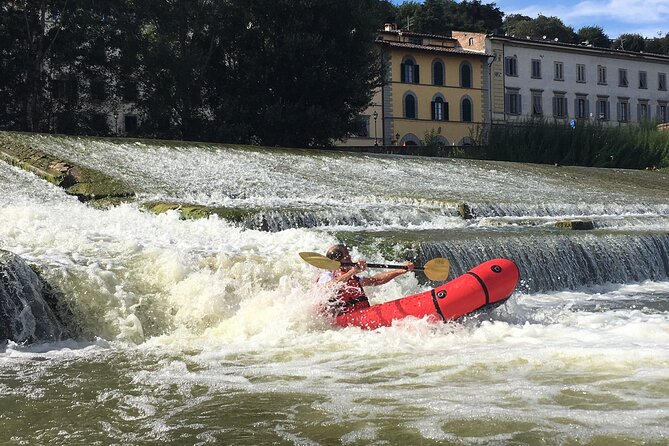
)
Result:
{"points": [[207, 331]]}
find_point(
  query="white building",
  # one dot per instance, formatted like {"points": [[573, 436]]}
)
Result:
{"points": [[553, 80]]}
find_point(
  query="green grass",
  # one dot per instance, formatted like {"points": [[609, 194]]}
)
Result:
{"points": [[637, 146]]}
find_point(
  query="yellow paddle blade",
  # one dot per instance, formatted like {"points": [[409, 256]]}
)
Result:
{"points": [[437, 269], [320, 261]]}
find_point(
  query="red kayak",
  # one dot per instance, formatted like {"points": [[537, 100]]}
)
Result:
{"points": [[490, 283]]}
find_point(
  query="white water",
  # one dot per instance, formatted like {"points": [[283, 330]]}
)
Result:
{"points": [[206, 332]]}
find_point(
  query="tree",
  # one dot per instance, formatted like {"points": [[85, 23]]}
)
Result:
{"points": [[407, 14], [430, 18], [540, 28], [477, 17], [594, 35], [518, 25], [41, 22], [630, 42], [658, 45], [294, 73]]}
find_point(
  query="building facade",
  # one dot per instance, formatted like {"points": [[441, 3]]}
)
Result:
{"points": [[434, 86], [552, 80]]}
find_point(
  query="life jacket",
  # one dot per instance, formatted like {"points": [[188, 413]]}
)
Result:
{"points": [[350, 296]]}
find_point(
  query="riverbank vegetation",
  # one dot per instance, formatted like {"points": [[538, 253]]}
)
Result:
{"points": [[634, 146]]}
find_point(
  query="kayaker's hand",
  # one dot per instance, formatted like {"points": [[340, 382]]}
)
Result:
{"points": [[360, 266], [409, 266]]}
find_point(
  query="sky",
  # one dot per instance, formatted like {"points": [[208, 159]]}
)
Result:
{"points": [[650, 18]]}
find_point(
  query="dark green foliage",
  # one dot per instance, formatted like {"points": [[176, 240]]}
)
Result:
{"points": [[287, 72], [550, 28], [588, 144], [594, 35], [630, 42], [442, 16]]}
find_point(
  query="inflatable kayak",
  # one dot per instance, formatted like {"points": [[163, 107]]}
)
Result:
{"points": [[490, 283]]}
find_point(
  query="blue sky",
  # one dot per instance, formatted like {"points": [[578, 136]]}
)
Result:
{"points": [[645, 17]]}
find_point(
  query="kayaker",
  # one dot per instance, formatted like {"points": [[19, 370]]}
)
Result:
{"points": [[350, 287]]}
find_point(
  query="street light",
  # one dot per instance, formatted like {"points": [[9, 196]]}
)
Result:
{"points": [[116, 122], [375, 115]]}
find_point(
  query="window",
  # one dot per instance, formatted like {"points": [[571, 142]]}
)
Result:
{"points": [[662, 112], [513, 101], [410, 106], [601, 74], [410, 72], [643, 79], [536, 69], [643, 111], [603, 108], [622, 77], [130, 122], [582, 107], [466, 75], [439, 110], [537, 103], [437, 72], [511, 66], [98, 92], [129, 91], [662, 81], [466, 111], [580, 73], [66, 89], [560, 106], [59, 88], [559, 71], [362, 129], [623, 110]]}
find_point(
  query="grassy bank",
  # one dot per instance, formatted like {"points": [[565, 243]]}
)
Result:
{"points": [[587, 144]]}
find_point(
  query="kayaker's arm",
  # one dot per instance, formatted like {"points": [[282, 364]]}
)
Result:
{"points": [[360, 266], [381, 278]]}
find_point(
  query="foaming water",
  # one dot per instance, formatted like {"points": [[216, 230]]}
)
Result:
{"points": [[208, 332]]}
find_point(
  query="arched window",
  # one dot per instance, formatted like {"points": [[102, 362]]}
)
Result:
{"points": [[437, 72], [439, 109], [466, 112], [466, 75], [409, 71], [410, 106]]}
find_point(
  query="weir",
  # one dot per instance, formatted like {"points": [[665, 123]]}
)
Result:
{"points": [[557, 262]]}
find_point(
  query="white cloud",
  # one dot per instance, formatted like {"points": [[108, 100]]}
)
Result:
{"points": [[646, 17]]}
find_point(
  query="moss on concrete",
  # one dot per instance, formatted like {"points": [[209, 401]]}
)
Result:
{"points": [[83, 182], [189, 211], [576, 225]]}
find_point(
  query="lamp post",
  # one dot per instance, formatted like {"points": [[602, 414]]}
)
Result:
{"points": [[116, 122], [375, 115]]}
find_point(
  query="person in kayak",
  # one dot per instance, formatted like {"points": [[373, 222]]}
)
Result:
{"points": [[349, 286]]}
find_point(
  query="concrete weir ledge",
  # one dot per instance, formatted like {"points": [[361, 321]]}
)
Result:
{"points": [[84, 183]]}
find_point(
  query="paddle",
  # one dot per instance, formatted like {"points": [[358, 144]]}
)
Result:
{"points": [[435, 269]]}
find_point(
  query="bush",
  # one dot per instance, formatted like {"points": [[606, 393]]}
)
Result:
{"points": [[587, 144]]}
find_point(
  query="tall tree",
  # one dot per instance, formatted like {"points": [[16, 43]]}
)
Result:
{"points": [[41, 22], [594, 35], [430, 19], [630, 42], [551, 28], [658, 45], [407, 15]]}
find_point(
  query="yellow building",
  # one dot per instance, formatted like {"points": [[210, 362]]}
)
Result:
{"points": [[432, 85]]}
